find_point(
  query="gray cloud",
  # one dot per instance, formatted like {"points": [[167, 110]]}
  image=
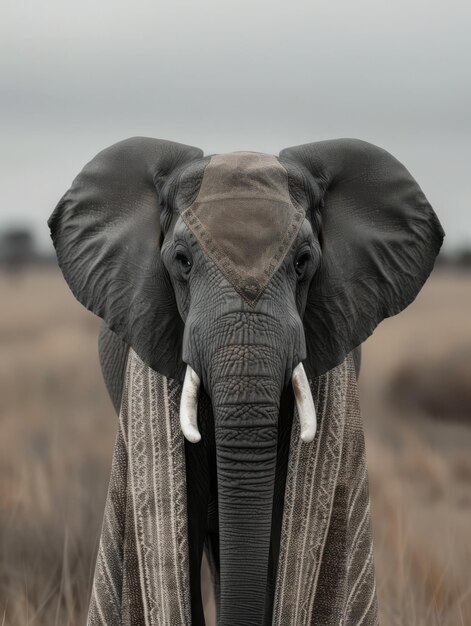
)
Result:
{"points": [[230, 76]]}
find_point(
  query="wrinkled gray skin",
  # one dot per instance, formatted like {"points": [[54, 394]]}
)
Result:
{"points": [[245, 358]]}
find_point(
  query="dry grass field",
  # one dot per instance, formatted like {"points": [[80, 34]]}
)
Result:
{"points": [[57, 430]]}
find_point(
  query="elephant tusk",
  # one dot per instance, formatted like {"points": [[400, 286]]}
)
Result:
{"points": [[304, 403], [189, 406]]}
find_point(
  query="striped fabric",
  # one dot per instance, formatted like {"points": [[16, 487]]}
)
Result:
{"points": [[142, 568], [325, 574]]}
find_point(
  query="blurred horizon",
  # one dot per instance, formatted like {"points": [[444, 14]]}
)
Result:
{"points": [[77, 78]]}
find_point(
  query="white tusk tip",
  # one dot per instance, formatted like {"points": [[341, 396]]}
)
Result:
{"points": [[189, 406], [308, 435], [192, 435], [304, 403]]}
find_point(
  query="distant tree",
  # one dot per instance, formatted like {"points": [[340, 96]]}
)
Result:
{"points": [[458, 258], [17, 248], [463, 258]]}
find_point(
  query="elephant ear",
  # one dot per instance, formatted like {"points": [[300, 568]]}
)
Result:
{"points": [[107, 234], [379, 238]]}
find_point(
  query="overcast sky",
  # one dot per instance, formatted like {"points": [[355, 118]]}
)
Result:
{"points": [[222, 75]]}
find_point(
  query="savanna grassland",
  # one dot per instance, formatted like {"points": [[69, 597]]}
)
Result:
{"points": [[57, 429]]}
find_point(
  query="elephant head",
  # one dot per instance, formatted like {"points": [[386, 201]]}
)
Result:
{"points": [[245, 273]]}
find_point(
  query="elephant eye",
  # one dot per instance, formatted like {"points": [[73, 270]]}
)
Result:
{"points": [[183, 261], [302, 262]]}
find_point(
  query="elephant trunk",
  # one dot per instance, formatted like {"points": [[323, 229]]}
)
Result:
{"points": [[246, 417], [244, 366]]}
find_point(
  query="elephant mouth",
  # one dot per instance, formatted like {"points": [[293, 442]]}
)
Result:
{"points": [[302, 393]]}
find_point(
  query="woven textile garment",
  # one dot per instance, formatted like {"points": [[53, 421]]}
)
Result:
{"points": [[325, 573]]}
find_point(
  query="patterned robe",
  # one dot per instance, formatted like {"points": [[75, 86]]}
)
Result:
{"points": [[325, 573]]}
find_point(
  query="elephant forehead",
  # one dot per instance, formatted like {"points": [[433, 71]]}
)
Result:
{"points": [[244, 218]]}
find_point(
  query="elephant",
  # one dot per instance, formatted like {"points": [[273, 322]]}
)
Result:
{"points": [[242, 275]]}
